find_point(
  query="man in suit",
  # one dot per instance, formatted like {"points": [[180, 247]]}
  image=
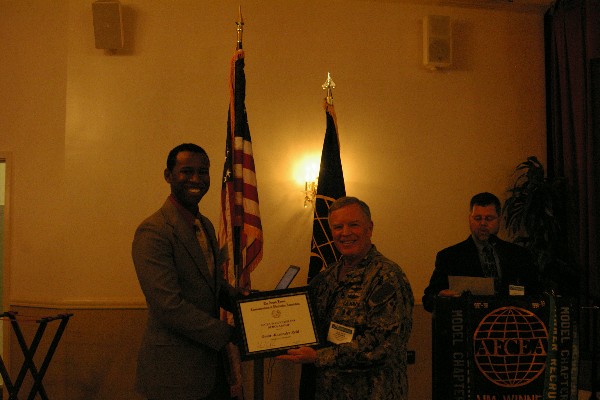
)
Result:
{"points": [[483, 254], [176, 259]]}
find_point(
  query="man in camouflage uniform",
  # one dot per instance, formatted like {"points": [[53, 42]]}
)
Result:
{"points": [[363, 306]]}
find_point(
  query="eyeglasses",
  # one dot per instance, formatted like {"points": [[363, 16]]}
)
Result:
{"points": [[487, 218]]}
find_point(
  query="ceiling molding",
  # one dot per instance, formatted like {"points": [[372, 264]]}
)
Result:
{"points": [[522, 6]]}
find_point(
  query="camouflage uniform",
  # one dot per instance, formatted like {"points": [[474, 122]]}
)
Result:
{"points": [[376, 299]]}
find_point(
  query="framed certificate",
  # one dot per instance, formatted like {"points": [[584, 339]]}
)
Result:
{"points": [[275, 321]]}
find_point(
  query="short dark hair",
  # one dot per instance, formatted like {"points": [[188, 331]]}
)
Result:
{"points": [[346, 201], [485, 199], [172, 157]]}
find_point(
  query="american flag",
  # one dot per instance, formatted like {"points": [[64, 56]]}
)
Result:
{"points": [[240, 229]]}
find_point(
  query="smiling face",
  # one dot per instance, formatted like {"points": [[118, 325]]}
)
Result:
{"points": [[189, 178], [351, 230], [484, 221]]}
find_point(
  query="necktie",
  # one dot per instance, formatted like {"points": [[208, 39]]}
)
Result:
{"points": [[489, 262], [202, 239]]}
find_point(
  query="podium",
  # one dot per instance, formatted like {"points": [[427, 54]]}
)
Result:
{"points": [[504, 348]]}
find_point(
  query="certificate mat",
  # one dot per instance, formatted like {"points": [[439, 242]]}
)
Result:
{"points": [[273, 322]]}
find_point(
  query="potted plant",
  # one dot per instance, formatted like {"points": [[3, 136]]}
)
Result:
{"points": [[534, 216]]}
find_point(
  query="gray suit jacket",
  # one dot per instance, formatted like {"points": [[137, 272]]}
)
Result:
{"points": [[179, 355]]}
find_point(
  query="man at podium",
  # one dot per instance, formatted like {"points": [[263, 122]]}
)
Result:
{"points": [[483, 255]]}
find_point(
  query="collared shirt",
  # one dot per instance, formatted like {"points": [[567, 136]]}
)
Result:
{"points": [[187, 216]]}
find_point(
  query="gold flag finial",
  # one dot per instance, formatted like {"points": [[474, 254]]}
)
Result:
{"points": [[329, 85], [240, 28]]}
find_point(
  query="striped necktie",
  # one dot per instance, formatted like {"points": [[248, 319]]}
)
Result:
{"points": [[204, 245], [490, 269]]}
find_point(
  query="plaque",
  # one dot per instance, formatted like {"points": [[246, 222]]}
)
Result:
{"points": [[273, 322]]}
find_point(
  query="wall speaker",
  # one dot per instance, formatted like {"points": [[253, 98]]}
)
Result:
{"points": [[437, 41], [108, 25]]}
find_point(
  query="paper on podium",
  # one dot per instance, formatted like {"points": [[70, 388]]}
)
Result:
{"points": [[474, 284]]}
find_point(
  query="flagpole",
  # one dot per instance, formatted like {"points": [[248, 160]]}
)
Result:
{"points": [[258, 364], [237, 247], [240, 29], [329, 85], [330, 187]]}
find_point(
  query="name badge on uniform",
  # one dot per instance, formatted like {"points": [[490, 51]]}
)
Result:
{"points": [[516, 290], [339, 333]]}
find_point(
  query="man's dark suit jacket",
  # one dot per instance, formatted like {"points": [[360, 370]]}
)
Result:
{"points": [[462, 259], [180, 352]]}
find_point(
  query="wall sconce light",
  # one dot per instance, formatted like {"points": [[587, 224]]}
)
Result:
{"points": [[306, 172], [310, 192], [310, 185]]}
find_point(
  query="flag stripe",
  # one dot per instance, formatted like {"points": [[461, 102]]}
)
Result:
{"points": [[252, 221], [250, 192]]}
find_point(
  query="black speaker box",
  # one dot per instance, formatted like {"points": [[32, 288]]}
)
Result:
{"points": [[108, 25]]}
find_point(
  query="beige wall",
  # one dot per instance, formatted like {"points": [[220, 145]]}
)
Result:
{"points": [[88, 131]]}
